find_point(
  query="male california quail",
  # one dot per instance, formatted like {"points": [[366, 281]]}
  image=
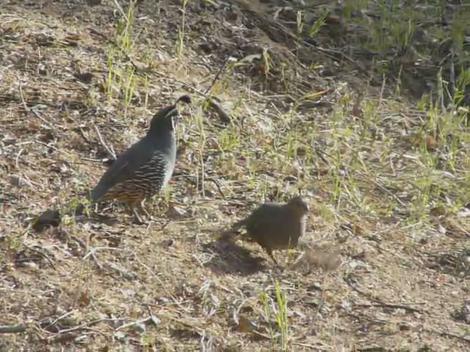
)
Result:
{"points": [[138, 173], [276, 226], [146, 167]]}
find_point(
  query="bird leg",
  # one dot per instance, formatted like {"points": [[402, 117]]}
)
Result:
{"points": [[270, 253], [143, 209], [137, 218]]}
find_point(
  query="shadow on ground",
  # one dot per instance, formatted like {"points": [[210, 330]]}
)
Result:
{"points": [[230, 258]]}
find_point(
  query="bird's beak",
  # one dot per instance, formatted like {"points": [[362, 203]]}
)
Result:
{"points": [[183, 100], [176, 120]]}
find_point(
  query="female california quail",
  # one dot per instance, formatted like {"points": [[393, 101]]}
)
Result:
{"points": [[277, 226], [146, 167]]}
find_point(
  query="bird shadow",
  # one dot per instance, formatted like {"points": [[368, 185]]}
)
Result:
{"points": [[98, 219], [230, 258]]}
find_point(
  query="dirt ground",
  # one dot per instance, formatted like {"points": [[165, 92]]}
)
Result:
{"points": [[72, 86]]}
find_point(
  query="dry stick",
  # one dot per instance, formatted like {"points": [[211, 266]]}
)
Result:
{"points": [[168, 293], [380, 186], [452, 73], [384, 189], [43, 255], [216, 77], [312, 347], [18, 158], [203, 175], [82, 133], [81, 327], [65, 337], [59, 318], [27, 109], [211, 179], [127, 274], [378, 301], [448, 334], [97, 262], [217, 185], [387, 305], [137, 322], [12, 329], [103, 143], [382, 89], [95, 249], [123, 14]]}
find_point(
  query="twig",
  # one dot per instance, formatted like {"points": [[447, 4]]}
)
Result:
{"points": [[97, 262], [382, 89], [27, 109], [81, 327], [63, 337], [388, 305], [129, 275], [94, 250], [310, 346], [452, 73], [18, 158], [108, 149], [378, 302], [157, 278], [12, 329], [123, 14], [57, 319], [384, 189], [43, 255], [448, 334], [217, 185], [216, 77], [79, 241], [211, 179], [137, 322], [82, 133]]}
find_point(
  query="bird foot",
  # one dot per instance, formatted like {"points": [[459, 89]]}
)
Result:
{"points": [[140, 212], [138, 221], [137, 218]]}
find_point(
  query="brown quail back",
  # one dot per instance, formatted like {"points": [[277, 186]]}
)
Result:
{"points": [[275, 226]]}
